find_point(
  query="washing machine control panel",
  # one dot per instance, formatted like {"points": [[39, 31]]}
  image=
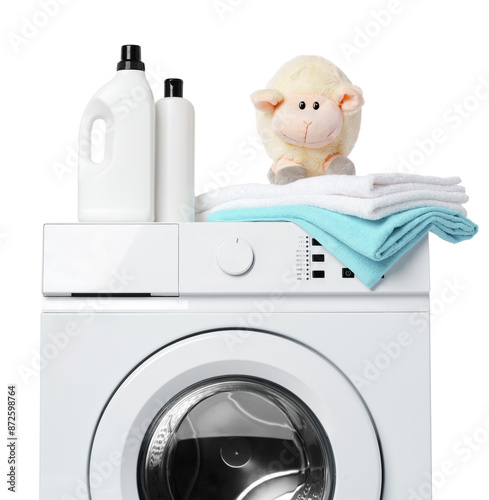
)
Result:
{"points": [[281, 258], [199, 259]]}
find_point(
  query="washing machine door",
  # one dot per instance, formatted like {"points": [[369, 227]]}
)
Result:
{"points": [[203, 419]]}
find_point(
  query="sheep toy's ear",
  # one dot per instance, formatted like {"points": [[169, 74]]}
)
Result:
{"points": [[350, 99], [266, 100]]}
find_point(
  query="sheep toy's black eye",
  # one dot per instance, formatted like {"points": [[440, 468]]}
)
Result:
{"points": [[302, 105], [315, 105]]}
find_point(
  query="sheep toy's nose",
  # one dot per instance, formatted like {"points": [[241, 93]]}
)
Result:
{"points": [[307, 124]]}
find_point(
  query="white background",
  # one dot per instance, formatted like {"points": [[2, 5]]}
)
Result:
{"points": [[420, 64]]}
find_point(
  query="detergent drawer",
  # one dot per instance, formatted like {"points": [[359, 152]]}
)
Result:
{"points": [[110, 259]]}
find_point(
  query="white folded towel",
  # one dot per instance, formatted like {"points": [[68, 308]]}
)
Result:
{"points": [[371, 196]]}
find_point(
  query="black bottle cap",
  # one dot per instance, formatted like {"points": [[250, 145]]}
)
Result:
{"points": [[173, 87], [130, 58]]}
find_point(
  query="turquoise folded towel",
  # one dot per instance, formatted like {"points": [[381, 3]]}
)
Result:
{"points": [[367, 247]]}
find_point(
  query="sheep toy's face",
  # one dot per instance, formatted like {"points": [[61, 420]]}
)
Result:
{"points": [[308, 120]]}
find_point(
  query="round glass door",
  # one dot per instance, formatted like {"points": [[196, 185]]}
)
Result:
{"points": [[236, 439]]}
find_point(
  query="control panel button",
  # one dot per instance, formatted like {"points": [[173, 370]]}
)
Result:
{"points": [[318, 257], [235, 256], [315, 243], [318, 274], [346, 273]]}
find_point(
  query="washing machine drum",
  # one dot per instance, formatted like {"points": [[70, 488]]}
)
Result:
{"points": [[235, 439], [230, 415]]}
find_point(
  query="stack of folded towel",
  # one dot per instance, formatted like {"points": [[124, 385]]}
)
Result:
{"points": [[371, 196], [367, 222]]}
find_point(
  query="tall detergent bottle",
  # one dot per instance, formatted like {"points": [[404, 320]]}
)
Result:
{"points": [[116, 149]]}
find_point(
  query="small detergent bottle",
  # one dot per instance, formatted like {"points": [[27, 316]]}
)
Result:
{"points": [[175, 138], [116, 148]]}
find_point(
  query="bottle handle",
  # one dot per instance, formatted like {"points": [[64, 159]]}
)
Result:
{"points": [[87, 167]]}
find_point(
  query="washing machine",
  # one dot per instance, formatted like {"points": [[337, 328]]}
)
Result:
{"points": [[229, 361]]}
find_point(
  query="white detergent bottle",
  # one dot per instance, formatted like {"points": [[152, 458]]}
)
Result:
{"points": [[175, 138], [116, 148]]}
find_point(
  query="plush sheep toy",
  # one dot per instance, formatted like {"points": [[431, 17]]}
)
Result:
{"points": [[308, 118]]}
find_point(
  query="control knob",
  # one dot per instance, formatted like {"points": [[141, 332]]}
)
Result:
{"points": [[235, 256]]}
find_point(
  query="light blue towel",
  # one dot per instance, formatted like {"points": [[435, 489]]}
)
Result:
{"points": [[367, 247]]}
